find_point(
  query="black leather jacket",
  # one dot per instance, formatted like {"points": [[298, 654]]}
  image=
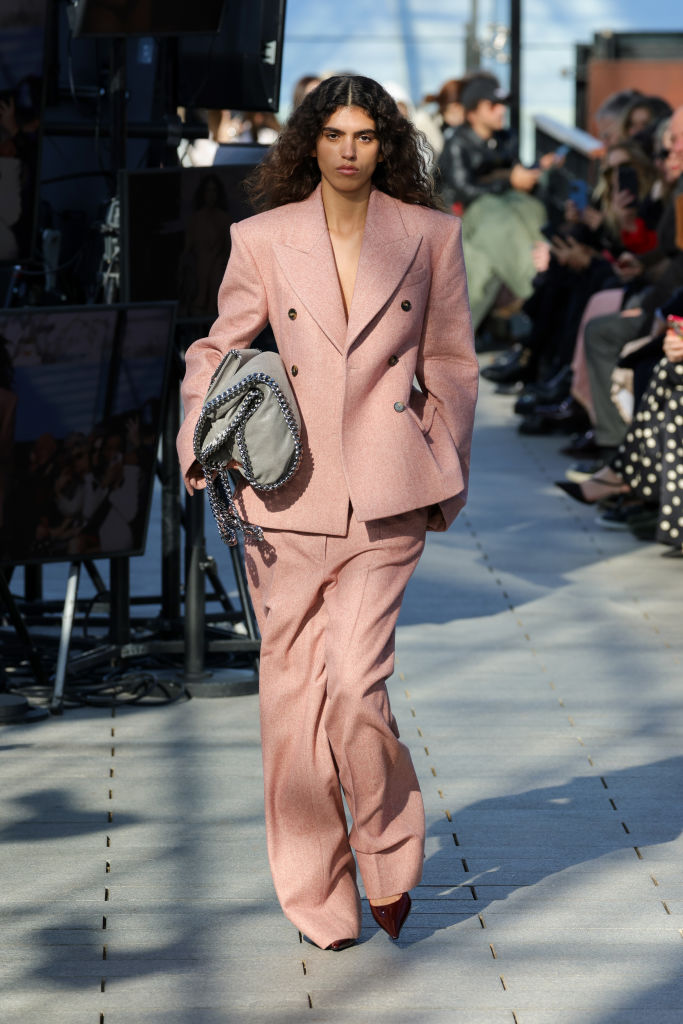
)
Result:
{"points": [[471, 166]]}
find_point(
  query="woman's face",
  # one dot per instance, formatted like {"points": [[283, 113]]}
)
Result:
{"points": [[347, 151], [638, 119], [669, 163], [453, 114], [616, 157]]}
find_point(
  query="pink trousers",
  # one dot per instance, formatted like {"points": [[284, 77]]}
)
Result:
{"points": [[327, 610]]}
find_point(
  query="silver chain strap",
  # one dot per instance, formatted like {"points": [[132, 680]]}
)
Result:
{"points": [[218, 483]]}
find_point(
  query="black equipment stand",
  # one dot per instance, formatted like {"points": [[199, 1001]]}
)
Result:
{"points": [[200, 637], [162, 639]]}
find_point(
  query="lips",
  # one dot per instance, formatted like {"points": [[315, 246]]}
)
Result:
{"points": [[347, 169]]}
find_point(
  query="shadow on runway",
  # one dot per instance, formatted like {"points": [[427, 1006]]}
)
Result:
{"points": [[511, 843]]}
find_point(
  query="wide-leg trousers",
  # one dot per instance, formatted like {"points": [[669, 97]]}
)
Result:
{"points": [[327, 609]]}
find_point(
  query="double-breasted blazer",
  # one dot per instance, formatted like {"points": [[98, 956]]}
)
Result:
{"points": [[386, 399]]}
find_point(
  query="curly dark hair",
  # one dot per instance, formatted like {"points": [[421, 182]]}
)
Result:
{"points": [[289, 173]]}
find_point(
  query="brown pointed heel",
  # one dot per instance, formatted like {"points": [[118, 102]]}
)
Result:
{"points": [[392, 916], [340, 944]]}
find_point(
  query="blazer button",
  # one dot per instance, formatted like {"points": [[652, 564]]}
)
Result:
{"points": [[292, 314], [295, 370], [406, 305], [399, 407], [392, 360]]}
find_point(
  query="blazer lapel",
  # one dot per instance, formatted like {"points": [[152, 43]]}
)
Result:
{"points": [[307, 261], [386, 255]]}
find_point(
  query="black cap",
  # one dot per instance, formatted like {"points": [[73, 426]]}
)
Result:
{"points": [[482, 89]]}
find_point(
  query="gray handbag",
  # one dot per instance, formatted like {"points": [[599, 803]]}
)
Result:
{"points": [[250, 416]]}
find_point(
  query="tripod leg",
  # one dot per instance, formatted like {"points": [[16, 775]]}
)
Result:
{"points": [[245, 600], [65, 637], [93, 573], [219, 590]]}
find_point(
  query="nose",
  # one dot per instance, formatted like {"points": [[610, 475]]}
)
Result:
{"points": [[349, 148]]}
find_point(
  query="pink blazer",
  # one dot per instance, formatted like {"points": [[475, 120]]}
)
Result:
{"points": [[371, 436]]}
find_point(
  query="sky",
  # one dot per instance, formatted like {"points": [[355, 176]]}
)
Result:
{"points": [[419, 44]]}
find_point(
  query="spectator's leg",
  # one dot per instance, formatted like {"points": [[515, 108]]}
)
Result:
{"points": [[483, 284], [602, 303], [498, 234], [605, 337]]}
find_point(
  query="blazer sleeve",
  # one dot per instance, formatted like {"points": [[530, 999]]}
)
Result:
{"points": [[447, 368], [242, 315]]}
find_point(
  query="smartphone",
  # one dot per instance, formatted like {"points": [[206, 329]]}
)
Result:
{"points": [[561, 152], [578, 193], [627, 181], [675, 322]]}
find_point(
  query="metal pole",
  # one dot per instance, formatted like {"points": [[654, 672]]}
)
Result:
{"points": [[515, 62], [119, 610], [194, 587], [170, 506], [65, 637], [472, 54]]}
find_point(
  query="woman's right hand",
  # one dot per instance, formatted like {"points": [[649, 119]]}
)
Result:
{"points": [[194, 478], [524, 179], [673, 346]]}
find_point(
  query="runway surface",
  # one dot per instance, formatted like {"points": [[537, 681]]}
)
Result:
{"points": [[539, 686]]}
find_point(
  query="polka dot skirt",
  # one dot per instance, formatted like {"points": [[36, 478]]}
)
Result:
{"points": [[651, 456]]}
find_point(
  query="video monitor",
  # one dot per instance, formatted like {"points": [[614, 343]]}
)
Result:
{"points": [[175, 229], [22, 54], [82, 392], [240, 68], [144, 17]]}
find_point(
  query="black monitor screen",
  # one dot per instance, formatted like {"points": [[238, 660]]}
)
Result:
{"points": [[176, 229], [240, 67], [81, 399], [145, 17], [22, 48]]}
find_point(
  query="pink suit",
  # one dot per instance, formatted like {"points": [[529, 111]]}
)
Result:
{"points": [[343, 537]]}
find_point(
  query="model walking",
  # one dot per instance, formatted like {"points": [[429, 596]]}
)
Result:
{"points": [[362, 280]]}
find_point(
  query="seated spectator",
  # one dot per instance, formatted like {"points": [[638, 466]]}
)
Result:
{"points": [[647, 464], [612, 300], [610, 114], [630, 217], [576, 262], [572, 298], [449, 113], [640, 119], [652, 277], [481, 173]]}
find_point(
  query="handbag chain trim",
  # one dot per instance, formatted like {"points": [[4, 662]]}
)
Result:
{"points": [[213, 458]]}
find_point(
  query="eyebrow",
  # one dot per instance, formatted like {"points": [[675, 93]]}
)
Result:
{"points": [[339, 131]]}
